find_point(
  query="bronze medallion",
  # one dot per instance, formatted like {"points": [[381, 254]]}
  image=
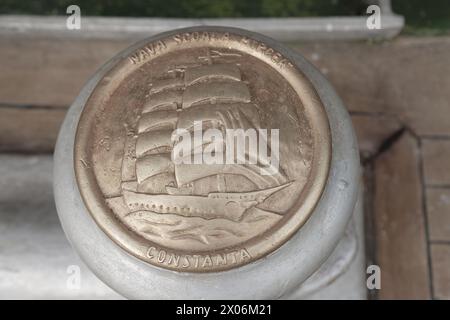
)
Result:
{"points": [[191, 215]]}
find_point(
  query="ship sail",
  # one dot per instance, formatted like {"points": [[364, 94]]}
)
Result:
{"points": [[211, 72], [216, 95], [221, 91]]}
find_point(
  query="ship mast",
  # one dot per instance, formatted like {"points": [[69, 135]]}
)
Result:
{"points": [[212, 92]]}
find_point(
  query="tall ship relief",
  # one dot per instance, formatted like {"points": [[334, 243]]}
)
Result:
{"points": [[216, 95], [204, 155]]}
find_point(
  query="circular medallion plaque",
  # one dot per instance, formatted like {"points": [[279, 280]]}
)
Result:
{"points": [[153, 160]]}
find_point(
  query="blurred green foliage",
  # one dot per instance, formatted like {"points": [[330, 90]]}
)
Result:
{"points": [[424, 17], [421, 16], [188, 8]]}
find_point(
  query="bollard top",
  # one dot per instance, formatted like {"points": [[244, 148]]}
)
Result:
{"points": [[248, 234], [202, 150]]}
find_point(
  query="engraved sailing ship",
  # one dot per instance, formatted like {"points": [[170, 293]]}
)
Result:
{"points": [[214, 94]]}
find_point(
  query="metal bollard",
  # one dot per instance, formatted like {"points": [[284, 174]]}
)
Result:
{"points": [[209, 163]]}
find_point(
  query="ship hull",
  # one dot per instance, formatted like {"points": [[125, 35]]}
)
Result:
{"points": [[187, 205], [227, 205]]}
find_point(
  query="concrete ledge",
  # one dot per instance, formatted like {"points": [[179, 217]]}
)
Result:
{"points": [[282, 29], [34, 253]]}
